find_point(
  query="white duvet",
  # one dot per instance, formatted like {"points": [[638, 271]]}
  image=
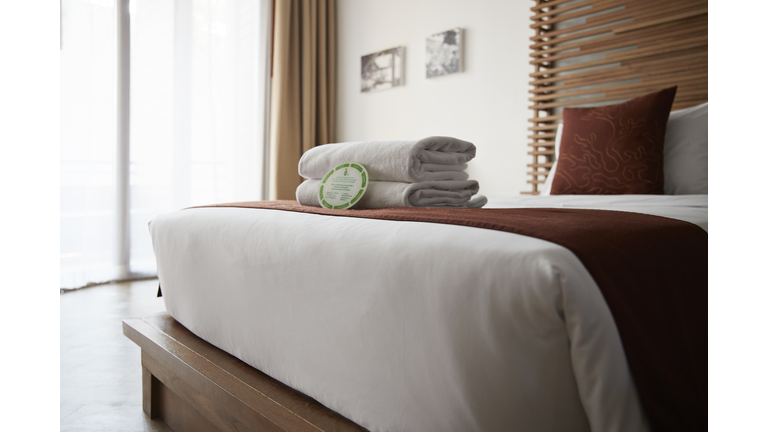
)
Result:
{"points": [[405, 326]]}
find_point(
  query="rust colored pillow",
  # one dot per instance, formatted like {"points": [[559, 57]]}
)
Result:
{"points": [[614, 149]]}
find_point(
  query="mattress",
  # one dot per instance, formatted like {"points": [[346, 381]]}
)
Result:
{"points": [[403, 326]]}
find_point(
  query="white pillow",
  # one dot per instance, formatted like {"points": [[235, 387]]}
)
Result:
{"points": [[685, 152], [548, 183]]}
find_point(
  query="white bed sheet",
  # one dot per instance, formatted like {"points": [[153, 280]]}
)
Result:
{"points": [[405, 326], [689, 208]]}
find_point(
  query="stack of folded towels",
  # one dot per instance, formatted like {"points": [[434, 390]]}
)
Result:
{"points": [[425, 173]]}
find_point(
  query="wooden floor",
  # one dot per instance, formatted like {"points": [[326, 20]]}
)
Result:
{"points": [[100, 384]]}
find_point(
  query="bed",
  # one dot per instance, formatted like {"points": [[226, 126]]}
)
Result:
{"points": [[358, 319], [279, 319], [497, 331]]}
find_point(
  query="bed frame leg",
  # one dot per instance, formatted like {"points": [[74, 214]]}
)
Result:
{"points": [[149, 393]]}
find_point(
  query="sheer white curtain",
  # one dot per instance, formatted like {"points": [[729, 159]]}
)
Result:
{"points": [[198, 79], [88, 86]]}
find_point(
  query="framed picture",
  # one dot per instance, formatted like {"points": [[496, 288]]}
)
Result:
{"points": [[382, 70], [444, 53]]}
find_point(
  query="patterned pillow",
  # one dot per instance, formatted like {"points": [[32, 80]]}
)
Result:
{"points": [[614, 149]]}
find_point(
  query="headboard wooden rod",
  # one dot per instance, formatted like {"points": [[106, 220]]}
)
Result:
{"points": [[673, 69], [545, 4], [651, 51], [669, 18], [601, 43], [621, 87]]}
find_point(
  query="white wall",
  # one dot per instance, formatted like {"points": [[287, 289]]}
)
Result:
{"points": [[486, 104]]}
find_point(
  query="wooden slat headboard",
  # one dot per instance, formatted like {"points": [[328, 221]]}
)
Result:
{"points": [[599, 52]]}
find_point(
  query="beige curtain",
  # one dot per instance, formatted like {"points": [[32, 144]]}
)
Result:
{"points": [[303, 99]]}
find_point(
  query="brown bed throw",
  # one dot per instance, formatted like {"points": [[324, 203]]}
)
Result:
{"points": [[651, 270]]}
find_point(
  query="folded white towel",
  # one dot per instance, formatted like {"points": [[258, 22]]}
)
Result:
{"points": [[433, 158], [453, 194]]}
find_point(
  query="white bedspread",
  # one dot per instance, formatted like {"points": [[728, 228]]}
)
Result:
{"points": [[404, 326], [689, 208]]}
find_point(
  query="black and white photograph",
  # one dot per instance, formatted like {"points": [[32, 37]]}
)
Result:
{"points": [[382, 70], [444, 53]]}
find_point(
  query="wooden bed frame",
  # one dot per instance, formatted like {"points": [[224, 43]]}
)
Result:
{"points": [[193, 386]]}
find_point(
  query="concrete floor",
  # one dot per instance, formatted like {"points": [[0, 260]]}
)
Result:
{"points": [[100, 386]]}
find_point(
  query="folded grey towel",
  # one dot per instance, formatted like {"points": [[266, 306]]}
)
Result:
{"points": [[433, 158], [453, 194]]}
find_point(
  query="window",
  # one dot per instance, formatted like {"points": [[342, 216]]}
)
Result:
{"points": [[198, 80]]}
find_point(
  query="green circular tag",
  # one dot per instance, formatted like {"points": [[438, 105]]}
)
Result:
{"points": [[343, 186]]}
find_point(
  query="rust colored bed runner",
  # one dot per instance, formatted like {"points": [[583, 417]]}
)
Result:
{"points": [[651, 270]]}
